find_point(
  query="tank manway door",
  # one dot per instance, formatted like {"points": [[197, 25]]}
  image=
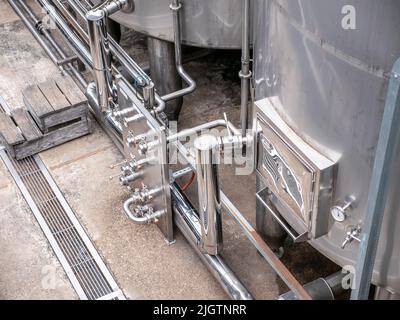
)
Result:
{"points": [[298, 179]]}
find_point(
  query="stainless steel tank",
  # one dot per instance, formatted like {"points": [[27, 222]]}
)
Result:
{"points": [[205, 23], [332, 84]]}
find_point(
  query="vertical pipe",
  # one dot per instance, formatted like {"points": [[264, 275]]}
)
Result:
{"points": [[176, 6], [149, 95], [245, 73], [209, 194], [164, 74], [187, 221], [95, 20], [100, 50]]}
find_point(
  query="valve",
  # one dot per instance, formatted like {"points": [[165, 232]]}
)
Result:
{"points": [[125, 180], [148, 212], [352, 234], [143, 147], [144, 195]]}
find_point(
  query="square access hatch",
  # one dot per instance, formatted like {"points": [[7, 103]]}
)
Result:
{"points": [[299, 179]]}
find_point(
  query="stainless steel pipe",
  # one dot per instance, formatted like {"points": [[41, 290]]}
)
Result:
{"points": [[81, 49], [187, 220], [145, 219], [175, 6], [31, 28], [245, 73], [321, 289], [100, 50], [205, 126], [35, 27], [131, 67], [207, 149], [77, 45]]}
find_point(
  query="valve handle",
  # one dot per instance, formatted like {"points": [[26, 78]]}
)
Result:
{"points": [[227, 125]]}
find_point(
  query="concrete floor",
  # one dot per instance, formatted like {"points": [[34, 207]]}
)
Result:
{"points": [[143, 265], [28, 266]]}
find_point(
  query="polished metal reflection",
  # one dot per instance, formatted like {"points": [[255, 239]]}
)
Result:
{"points": [[205, 23], [208, 192], [176, 7], [186, 218], [332, 85], [100, 50]]}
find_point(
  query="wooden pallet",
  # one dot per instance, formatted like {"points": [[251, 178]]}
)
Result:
{"points": [[56, 113]]}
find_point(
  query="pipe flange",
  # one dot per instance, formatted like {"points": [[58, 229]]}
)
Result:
{"points": [[175, 7], [245, 76]]}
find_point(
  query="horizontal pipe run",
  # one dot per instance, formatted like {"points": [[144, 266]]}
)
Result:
{"points": [[187, 221], [206, 126], [33, 31], [78, 46], [35, 28], [66, 12]]}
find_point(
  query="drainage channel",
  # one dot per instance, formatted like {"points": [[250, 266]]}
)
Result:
{"points": [[82, 263]]}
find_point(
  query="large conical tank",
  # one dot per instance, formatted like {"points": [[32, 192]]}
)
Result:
{"points": [[205, 23], [332, 81]]}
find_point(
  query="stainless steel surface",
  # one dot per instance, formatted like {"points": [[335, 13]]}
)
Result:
{"points": [[264, 249], [389, 139], [340, 212], [332, 85], [384, 294], [80, 48], [176, 7], [142, 217], [186, 218], [267, 199], [205, 23], [321, 288], [245, 73], [352, 234], [207, 149], [206, 126], [25, 20], [266, 224], [299, 179], [39, 31], [152, 174], [84, 267], [144, 147], [164, 74], [100, 52]]}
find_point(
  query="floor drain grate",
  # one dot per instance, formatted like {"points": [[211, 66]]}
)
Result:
{"points": [[84, 267]]}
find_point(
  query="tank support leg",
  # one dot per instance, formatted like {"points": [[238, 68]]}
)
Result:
{"points": [[164, 74], [271, 231]]}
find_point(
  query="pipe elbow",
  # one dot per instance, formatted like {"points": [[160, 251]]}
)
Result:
{"points": [[95, 15], [131, 216], [145, 219], [160, 104], [191, 84]]}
